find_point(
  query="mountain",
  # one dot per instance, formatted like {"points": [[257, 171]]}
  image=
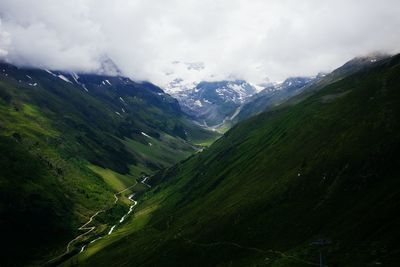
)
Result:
{"points": [[359, 63], [210, 103], [273, 94], [321, 169], [68, 143]]}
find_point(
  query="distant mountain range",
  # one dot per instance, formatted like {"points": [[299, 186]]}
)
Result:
{"points": [[210, 103], [220, 104]]}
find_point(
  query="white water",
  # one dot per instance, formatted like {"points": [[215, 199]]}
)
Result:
{"points": [[112, 229], [129, 212], [94, 240], [91, 228], [144, 181]]}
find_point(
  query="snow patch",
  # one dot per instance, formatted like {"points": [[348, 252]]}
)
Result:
{"points": [[257, 87], [50, 73], [198, 103], [145, 134], [84, 87], [65, 79], [76, 77]]}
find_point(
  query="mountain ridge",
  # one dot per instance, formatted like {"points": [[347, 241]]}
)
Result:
{"points": [[322, 167], [69, 142]]}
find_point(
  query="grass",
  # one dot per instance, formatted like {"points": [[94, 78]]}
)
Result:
{"points": [[279, 181], [160, 152], [65, 152], [113, 179]]}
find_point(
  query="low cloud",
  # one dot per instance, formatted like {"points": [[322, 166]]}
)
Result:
{"points": [[244, 39]]}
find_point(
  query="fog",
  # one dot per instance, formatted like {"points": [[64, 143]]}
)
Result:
{"points": [[157, 40]]}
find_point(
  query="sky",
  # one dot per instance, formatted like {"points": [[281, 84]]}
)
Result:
{"points": [[160, 40]]}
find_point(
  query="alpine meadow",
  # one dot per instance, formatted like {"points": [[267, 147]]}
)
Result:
{"points": [[200, 133]]}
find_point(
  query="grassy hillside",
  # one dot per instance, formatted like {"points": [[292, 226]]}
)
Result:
{"points": [[69, 143], [325, 166], [286, 93]]}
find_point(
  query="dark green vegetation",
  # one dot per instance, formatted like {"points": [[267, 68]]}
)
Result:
{"points": [[69, 143], [271, 97], [275, 95], [325, 165]]}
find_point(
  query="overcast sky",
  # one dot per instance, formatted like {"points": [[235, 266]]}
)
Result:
{"points": [[248, 39]]}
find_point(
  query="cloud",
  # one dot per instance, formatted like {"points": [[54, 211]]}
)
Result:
{"points": [[4, 42], [245, 39]]}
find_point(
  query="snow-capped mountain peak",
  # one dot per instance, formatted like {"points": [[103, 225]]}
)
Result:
{"points": [[212, 102]]}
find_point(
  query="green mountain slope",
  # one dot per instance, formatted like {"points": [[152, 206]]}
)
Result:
{"points": [[68, 143], [322, 166], [273, 96]]}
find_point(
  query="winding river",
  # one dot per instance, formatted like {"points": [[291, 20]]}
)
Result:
{"points": [[91, 228]]}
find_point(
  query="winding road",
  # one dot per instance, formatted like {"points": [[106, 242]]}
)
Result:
{"points": [[91, 228]]}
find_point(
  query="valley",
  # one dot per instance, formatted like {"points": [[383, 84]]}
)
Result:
{"points": [[132, 188], [90, 138], [209, 133], [238, 176], [320, 166]]}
